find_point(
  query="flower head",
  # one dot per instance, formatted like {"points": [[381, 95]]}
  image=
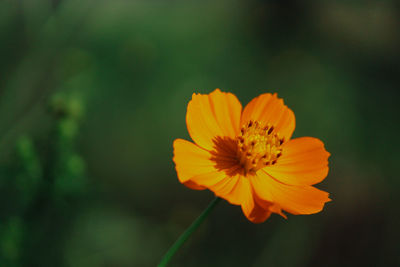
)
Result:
{"points": [[247, 157]]}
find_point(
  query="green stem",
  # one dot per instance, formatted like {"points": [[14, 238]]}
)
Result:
{"points": [[181, 240]]}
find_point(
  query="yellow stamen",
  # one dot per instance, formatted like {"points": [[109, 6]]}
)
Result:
{"points": [[258, 146]]}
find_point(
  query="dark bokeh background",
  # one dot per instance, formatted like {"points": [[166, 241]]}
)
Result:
{"points": [[93, 93]]}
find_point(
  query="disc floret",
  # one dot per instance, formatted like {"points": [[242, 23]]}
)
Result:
{"points": [[258, 146]]}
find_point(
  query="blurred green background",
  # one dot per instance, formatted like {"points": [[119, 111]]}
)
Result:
{"points": [[93, 93]]}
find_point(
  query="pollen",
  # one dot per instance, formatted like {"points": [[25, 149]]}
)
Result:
{"points": [[258, 146]]}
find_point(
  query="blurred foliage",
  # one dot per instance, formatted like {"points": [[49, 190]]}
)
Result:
{"points": [[37, 185], [93, 93]]}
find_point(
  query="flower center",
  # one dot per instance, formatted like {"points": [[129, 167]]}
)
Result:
{"points": [[258, 146]]}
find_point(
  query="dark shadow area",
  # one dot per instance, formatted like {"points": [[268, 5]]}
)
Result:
{"points": [[225, 156]]}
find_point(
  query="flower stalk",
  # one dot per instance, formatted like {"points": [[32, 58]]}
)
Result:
{"points": [[189, 231]]}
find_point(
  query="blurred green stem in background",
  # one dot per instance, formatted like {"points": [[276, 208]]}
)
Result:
{"points": [[182, 239]]}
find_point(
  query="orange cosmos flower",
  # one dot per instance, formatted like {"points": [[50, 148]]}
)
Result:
{"points": [[248, 157]]}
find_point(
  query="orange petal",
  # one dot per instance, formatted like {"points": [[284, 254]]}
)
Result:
{"points": [[268, 108], [190, 161], [304, 161], [294, 199], [213, 115], [193, 185], [231, 188], [272, 207], [251, 209], [198, 169], [275, 208]]}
